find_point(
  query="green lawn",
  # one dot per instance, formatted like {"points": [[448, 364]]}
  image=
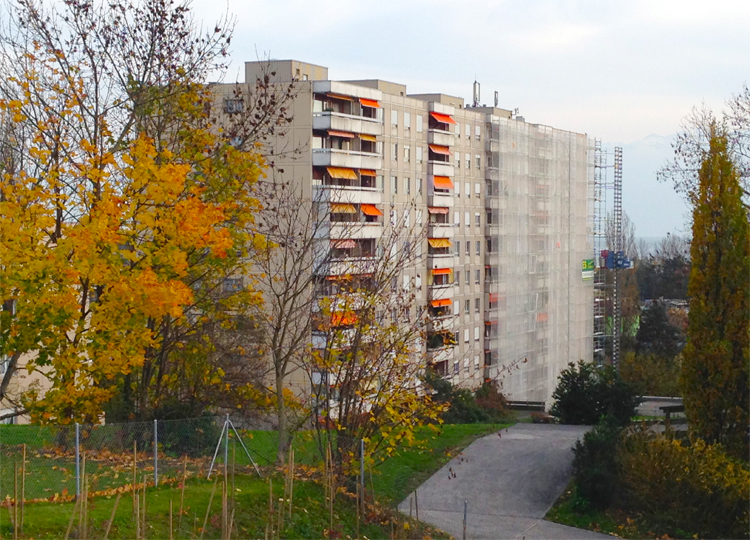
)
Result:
{"points": [[393, 480]]}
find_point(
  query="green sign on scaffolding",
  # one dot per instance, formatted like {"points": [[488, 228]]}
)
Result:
{"points": [[587, 269]]}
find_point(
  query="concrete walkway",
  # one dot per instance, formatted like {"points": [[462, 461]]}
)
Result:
{"points": [[509, 480]]}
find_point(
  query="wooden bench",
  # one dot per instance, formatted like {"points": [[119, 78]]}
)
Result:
{"points": [[668, 410]]}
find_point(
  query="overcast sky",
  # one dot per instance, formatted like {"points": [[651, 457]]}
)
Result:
{"points": [[618, 70]]}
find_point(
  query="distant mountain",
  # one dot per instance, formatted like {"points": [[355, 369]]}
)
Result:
{"points": [[654, 207]]}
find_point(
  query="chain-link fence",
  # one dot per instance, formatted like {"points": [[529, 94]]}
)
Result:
{"points": [[48, 462]]}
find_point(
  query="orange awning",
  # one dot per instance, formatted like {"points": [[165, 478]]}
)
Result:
{"points": [[441, 271], [339, 96], [542, 317], [343, 318], [437, 210], [369, 103], [493, 297], [343, 208], [371, 138], [367, 172], [490, 322], [341, 173], [441, 303], [344, 134], [370, 210], [439, 242], [444, 118], [443, 182], [343, 244], [443, 150]]}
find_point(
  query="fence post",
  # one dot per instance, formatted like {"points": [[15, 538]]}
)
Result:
{"points": [[226, 448], [362, 472], [466, 504], [156, 454], [78, 460]]}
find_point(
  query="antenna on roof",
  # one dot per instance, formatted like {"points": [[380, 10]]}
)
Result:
{"points": [[476, 93], [496, 99]]}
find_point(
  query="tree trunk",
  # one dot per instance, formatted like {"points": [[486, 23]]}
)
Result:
{"points": [[283, 423]]}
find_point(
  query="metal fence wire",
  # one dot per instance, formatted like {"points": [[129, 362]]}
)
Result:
{"points": [[112, 456]]}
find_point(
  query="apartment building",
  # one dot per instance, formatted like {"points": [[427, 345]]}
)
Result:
{"points": [[506, 205]]}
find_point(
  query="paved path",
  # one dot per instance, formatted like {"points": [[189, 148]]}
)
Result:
{"points": [[509, 480]]}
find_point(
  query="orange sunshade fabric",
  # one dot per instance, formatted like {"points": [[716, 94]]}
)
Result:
{"points": [[341, 173], [370, 103], [437, 210], [490, 322], [339, 96], [370, 210], [493, 297], [343, 208], [344, 134], [444, 118], [343, 318], [441, 303], [371, 138], [343, 244], [441, 271], [439, 242], [443, 150], [443, 182], [542, 317], [367, 172]]}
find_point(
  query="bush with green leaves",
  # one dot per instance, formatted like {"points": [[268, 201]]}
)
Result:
{"points": [[594, 465], [486, 404], [585, 393]]}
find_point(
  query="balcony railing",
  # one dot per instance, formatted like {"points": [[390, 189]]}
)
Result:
{"points": [[333, 157], [347, 122]]}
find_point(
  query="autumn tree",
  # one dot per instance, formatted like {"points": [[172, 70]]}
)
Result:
{"points": [[716, 359], [127, 219]]}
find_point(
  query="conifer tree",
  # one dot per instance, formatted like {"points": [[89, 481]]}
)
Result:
{"points": [[716, 359]]}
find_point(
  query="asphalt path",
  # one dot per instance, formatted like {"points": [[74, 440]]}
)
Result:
{"points": [[509, 481]]}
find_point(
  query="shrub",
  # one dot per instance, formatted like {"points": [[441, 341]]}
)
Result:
{"points": [[696, 488], [492, 401], [487, 404], [652, 375], [594, 465], [585, 393]]}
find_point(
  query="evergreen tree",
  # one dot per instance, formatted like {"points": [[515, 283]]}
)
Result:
{"points": [[655, 334], [716, 360]]}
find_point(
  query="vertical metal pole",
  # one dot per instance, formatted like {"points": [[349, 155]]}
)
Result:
{"points": [[78, 460], [466, 504], [156, 454], [362, 471], [226, 447]]}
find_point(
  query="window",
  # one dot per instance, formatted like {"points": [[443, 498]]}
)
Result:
{"points": [[477, 305], [407, 214], [468, 131], [476, 362], [468, 161], [477, 219], [407, 121], [407, 186], [419, 250], [420, 151], [456, 218], [467, 190], [419, 218], [477, 132], [458, 130], [407, 153], [394, 118], [419, 182], [467, 307], [476, 333], [456, 367], [458, 160], [467, 220], [394, 184], [407, 282], [458, 250], [477, 277], [419, 123], [479, 250], [394, 152], [232, 284], [478, 159], [466, 365], [394, 219], [233, 106], [467, 273], [468, 253], [418, 280], [466, 335], [456, 307], [477, 190], [457, 187]]}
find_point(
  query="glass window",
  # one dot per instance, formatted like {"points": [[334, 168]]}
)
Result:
{"points": [[394, 219], [477, 132], [458, 252], [419, 218], [467, 190], [418, 281], [407, 121], [457, 282], [407, 153], [394, 184], [477, 190], [458, 130], [407, 186], [419, 151], [477, 219], [466, 338], [394, 117], [477, 305], [458, 160], [419, 123], [479, 250], [467, 131], [476, 333], [419, 182], [468, 161], [478, 159], [406, 283], [467, 219], [457, 187], [477, 277], [476, 362], [467, 307], [394, 152], [467, 273], [468, 250], [456, 218], [456, 307]]}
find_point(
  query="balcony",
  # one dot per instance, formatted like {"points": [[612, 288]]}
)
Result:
{"points": [[492, 173], [492, 259], [439, 168], [441, 324], [351, 265], [347, 122], [438, 136], [492, 343], [435, 356], [348, 194], [346, 230], [441, 292], [440, 230], [442, 260], [443, 200], [333, 157], [491, 146], [490, 372], [492, 314]]}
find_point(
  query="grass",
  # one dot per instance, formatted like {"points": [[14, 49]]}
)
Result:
{"points": [[393, 480]]}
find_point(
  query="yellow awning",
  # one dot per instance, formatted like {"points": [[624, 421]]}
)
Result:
{"points": [[341, 173], [342, 208], [371, 138], [439, 242]]}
